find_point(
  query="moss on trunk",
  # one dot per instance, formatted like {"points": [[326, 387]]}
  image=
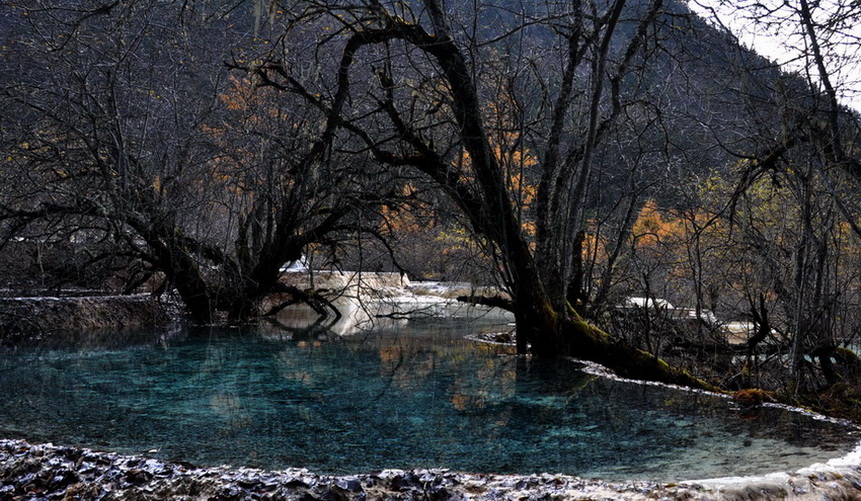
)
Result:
{"points": [[590, 343]]}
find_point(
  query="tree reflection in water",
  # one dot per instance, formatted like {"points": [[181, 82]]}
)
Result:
{"points": [[398, 396]]}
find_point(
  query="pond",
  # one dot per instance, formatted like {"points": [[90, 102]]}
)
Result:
{"points": [[415, 394]]}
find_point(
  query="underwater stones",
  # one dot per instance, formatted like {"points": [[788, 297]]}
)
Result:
{"points": [[138, 476], [45, 471]]}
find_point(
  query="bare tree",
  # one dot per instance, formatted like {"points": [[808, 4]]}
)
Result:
{"points": [[808, 151], [124, 127], [424, 88]]}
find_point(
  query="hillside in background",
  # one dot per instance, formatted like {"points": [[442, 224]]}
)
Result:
{"points": [[571, 154]]}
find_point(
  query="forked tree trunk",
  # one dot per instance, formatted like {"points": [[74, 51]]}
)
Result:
{"points": [[184, 273], [546, 324]]}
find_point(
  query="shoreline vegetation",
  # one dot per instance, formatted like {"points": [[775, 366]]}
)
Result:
{"points": [[23, 318]]}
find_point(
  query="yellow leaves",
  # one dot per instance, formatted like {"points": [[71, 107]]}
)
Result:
{"points": [[516, 165], [212, 131], [409, 191], [240, 94], [230, 169], [455, 239], [652, 227], [404, 218], [594, 247], [529, 228], [523, 192], [670, 236], [400, 220], [845, 239]]}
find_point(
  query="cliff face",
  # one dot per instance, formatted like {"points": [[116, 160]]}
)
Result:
{"points": [[25, 317]]}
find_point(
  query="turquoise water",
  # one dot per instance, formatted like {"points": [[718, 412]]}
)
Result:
{"points": [[415, 396]]}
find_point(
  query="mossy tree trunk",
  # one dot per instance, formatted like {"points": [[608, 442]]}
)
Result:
{"points": [[537, 274]]}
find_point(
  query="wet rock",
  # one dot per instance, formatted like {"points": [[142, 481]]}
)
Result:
{"points": [[138, 476], [402, 482], [335, 493], [62, 479], [504, 338], [351, 484], [228, 493], [46, 472], [296, 484]]}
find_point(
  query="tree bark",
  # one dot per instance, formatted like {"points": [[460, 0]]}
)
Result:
{"points": [[545, 327]]}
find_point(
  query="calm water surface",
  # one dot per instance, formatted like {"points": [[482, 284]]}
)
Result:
{"points": [[415, 396]]}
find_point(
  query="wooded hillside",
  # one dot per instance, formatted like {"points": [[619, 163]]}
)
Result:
{"points": [[572, 153]]}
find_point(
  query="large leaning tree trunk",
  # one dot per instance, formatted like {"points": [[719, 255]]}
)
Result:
{"points": [[418, 58]]}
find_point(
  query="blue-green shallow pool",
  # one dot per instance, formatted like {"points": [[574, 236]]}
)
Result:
{"points": [[417, 396]]}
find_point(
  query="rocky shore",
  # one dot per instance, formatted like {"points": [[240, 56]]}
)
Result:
{"points": [[44, 471], [40, 317]]}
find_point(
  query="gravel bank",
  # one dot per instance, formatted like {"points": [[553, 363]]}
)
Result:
{"points": [[44, 471]]}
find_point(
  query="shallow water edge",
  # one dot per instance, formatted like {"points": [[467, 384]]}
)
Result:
{"points": [[425, 399], [46, 471]]}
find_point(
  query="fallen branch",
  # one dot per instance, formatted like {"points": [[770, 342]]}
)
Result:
{"points": [[494, 301]]}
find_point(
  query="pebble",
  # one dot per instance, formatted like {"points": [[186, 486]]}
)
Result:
{"points": [[44, 471]]}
